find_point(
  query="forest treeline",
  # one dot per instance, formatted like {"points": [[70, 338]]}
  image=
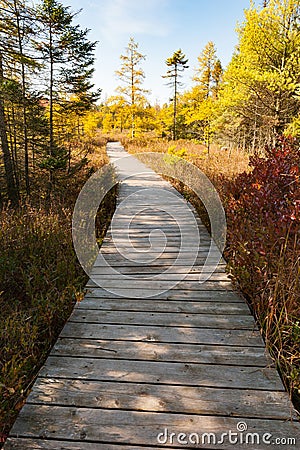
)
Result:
{"points": [[245, 105], [46, 67]]}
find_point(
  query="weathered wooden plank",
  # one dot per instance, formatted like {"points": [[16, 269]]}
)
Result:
{"points": [[114, 248], [191, 374], [176, 270], [154, 214], [138, 428], [183, 213], [145, 351], [204, 307], [100, 274], [161, 398], [174, 293], [175, 230], [173, 239], [153, 286], [159, 272], [202, 231], [163, 262], [157, 247], [179, 226], [42, 444], [211, 336], [229, 321], [141, 238], [159, 255], [178, 294]]}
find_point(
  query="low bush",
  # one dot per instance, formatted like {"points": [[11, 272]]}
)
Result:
{"points": [[263, 216]]}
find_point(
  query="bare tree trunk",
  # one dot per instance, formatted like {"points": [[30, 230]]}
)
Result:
{"points": [[175, 106], [14, 151], [51, 136], [255, 130], [25, 133], [12, 191]]}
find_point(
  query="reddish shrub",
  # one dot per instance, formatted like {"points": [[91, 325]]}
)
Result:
{"points": [[263, 209], [263, 213]]}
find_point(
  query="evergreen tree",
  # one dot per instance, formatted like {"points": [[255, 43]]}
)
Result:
{"points": [[132, 75], [15, 34], [24, 32], [12, 191], [68, 58], [177, 64], [200, 103], [38, 46], [209, 72]]}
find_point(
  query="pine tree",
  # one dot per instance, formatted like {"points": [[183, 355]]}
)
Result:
{"points": [[132, 75], [15, 32], [200, 103], [55, 21], [24, 31], [40, 46], [209, 73], [177, 64], [68, 59]]}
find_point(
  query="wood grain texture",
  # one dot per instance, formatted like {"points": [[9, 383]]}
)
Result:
{"points": [[157, 351], [227, 321], [191, 307], [43, 444], [163, 334], [134, 427], [161, 398], [134, 371], [178, 294]]}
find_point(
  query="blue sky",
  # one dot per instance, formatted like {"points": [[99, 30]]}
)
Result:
{"points": [[160, 27]]}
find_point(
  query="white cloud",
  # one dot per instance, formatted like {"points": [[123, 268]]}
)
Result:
{"points": [[130, 17]]}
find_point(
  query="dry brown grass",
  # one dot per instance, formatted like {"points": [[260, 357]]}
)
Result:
{"points": [[217, 161]]}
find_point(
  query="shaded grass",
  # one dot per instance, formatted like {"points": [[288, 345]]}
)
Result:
{"points": [[40, 279]]}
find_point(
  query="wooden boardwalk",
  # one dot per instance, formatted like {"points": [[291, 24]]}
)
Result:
{"points": [[139, 360]]}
